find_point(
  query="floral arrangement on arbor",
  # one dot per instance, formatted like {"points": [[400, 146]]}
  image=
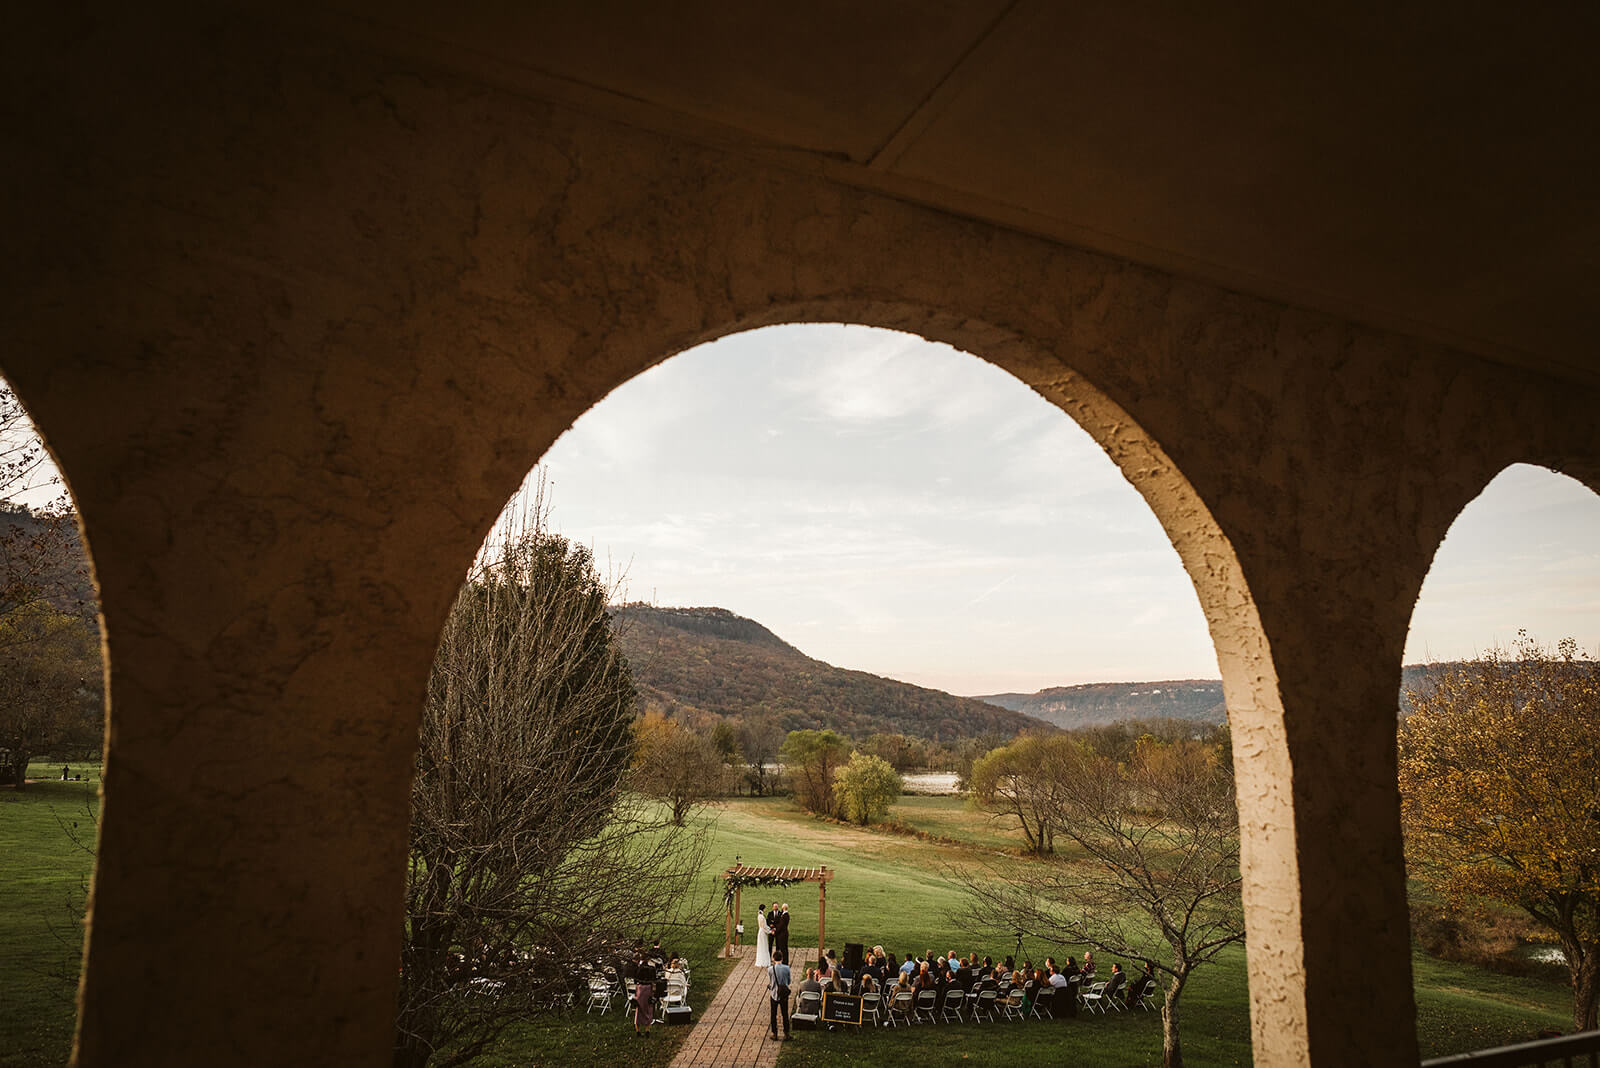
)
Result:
{"points": [[733, 883]]}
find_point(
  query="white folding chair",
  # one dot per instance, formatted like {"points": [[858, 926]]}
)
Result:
{"points": [[900, 1007], [808, 1009], [927, 1002], [1094, 998], [953, 999]]}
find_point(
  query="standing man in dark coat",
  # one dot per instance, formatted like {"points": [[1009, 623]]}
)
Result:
{"points": [[781, 922], [778, 993]]}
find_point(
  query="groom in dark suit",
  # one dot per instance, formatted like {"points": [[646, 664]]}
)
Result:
{"points": [[780, 923]]}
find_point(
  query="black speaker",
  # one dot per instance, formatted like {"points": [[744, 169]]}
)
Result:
{"points": [[853, 954]]}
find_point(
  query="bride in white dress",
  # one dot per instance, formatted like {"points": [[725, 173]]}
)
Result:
{"points": [[763, 939]]}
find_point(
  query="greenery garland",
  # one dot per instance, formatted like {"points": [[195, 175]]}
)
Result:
{"points": [[734, 883]]}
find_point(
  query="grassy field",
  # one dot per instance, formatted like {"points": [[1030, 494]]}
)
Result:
{"points": [[894, 889], [42, 877]]}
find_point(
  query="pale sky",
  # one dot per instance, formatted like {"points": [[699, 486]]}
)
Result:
{"points": [[896, 506]]}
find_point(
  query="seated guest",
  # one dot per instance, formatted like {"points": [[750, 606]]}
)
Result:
{"points": [[909, 968], [1145, 982], [1065, 1002], [811, 983], [1071, 969], [1088, 965], [867, 984], [1114, 984]]}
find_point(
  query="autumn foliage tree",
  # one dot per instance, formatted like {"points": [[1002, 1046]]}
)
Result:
{"points": [[810, 759], [1018, 781], [865, 788], [50, 669], [1500, 795], [677, 766]]}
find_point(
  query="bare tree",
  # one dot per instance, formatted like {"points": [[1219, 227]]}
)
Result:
{"points": [[529, 855], [1161, 881], [760, 741]]}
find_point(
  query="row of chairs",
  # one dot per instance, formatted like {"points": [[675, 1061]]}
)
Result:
{"points": [[982, 1005], [670, 991]]}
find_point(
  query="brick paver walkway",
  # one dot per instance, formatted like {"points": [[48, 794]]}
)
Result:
{"points": [[731, 1032]]}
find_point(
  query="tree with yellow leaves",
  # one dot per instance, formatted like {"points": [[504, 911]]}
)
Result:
{"points": [[1500, 795]]}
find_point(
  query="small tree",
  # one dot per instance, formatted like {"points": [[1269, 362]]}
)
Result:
{"points": [[677, 766], [1161, 881], [725, 740], [1500, 795], [810, 758], [1017, 781], [529, 856], [865, 788]]}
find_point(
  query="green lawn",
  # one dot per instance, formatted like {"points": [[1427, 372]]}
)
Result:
{"points": [[42, 877], [892, 889]]}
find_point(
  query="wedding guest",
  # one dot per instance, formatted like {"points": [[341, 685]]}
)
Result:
{"points": [[1145, 982], [644, 991], [1114, 985], [812, 982]]}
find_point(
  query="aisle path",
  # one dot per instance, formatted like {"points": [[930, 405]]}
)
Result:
{"points": [[731, 1032]]}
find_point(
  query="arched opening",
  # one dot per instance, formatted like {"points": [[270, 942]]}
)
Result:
{"points": [[1494, 710], [1185, 522]]}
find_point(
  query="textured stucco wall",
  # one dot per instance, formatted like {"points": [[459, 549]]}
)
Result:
{"points": [[296, 320]]}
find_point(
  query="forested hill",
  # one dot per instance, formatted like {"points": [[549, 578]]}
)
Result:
{"points": [[1191, 699], [1108, 702], [713, 661]]}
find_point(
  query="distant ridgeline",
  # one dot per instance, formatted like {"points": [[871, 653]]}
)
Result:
{"points": [[695, 661], [709, 660], [1199, 700]]}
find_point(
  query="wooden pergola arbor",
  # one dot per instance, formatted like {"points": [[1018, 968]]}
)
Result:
{"points": [[740, 876]]}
